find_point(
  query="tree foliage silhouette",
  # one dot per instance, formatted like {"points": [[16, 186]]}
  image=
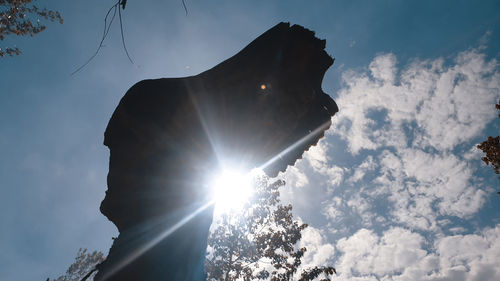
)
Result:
{"points": [[491, 147], [21, 17], [259, 242], [84, 267]]}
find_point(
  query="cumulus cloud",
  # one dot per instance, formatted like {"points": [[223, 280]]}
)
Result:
{"points": [[319, 251], [318, 160], [444, 105], [414, 119], [400, 254], [366, 253], [295, 177], [334, 209], [423, 185], [470, 257], [368, 165], [410, 133]]}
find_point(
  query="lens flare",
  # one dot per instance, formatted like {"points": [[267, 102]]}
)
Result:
{"points": [[231, 189]]}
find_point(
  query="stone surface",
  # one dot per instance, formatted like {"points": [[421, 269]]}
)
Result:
{"points": [[168, 136]]}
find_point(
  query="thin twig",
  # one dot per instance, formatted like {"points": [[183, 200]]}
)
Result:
{"points": [[107, 28], [104, 35], [123, 37], [185, 8]]}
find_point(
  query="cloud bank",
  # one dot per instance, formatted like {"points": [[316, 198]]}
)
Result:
{"points": [[401, 206]]}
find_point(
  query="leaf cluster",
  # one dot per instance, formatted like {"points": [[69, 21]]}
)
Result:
{"points": [[21, 17], [491, 147], [83, 267], [259, 242]]}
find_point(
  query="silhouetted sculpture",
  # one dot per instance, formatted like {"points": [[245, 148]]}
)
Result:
{"points": [[167, 136]]}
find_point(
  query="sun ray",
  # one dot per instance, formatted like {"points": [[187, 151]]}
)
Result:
{"points": [[311, 134], [231, 178], [152, 242]]}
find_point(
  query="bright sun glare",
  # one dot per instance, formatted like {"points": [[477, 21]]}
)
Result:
{"points": [[230, 190]]}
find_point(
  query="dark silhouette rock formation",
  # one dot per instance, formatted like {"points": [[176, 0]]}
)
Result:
{"points": [[261, 108]]}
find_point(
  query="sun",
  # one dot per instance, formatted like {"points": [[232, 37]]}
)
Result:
{"points": [[230, 190]]}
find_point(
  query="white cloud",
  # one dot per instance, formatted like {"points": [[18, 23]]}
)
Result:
{"points": [[417, 117], [318, 160], [383, 68], [317, 156], [460, 105], [366, 253], [457, 229], [445, 105], [473, 153], [363, 207], [319, 252], [399, 254], [474, 254], [334, 209], [411, 179], [368, 165], [335, 175], [295, 177], [442, 178]]}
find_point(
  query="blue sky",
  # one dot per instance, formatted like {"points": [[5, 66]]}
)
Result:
{"points": [[395, 191]]}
